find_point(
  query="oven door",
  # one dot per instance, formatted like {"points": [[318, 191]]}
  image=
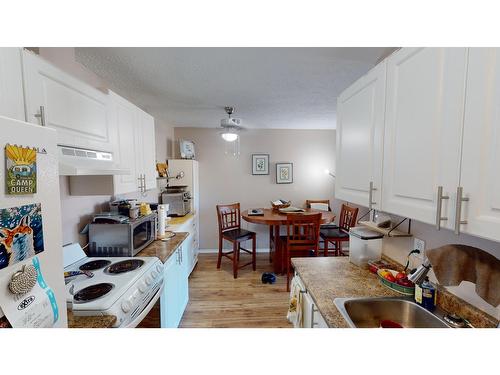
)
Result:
{"points": [[143, 233]]}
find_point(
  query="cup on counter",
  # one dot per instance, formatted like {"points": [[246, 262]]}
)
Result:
{"points": [[133, 212]]}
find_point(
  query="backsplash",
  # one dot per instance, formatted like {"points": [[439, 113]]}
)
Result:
{"points": [[398, 248], [78, 210]]}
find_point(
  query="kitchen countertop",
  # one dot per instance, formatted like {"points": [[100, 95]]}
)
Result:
{"points": [[102, 321], [164, 249], [179, 220], [327, 278], [335, 277]]}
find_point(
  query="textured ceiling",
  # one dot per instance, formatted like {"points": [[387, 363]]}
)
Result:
{"points": [[294, 88]]}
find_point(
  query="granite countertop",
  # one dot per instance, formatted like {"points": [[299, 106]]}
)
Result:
{"points": [[335, 277], [327, 278], [102, 321], [164, 249]]}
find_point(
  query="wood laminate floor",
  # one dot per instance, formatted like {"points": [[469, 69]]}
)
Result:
{"points": [[217, 300]]}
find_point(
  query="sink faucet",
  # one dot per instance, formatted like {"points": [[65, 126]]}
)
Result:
{"points": [[418, 276]]}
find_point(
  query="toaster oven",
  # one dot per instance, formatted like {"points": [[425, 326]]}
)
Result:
{"points": [[179, 203], [121, 238]]}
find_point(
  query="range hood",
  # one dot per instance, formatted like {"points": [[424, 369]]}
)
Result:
{"points": [[75, 161]]}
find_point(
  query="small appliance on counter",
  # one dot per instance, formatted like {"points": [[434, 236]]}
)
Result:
{"points": [[364, 245], [115, 235], [178, 199], [126, 287]]}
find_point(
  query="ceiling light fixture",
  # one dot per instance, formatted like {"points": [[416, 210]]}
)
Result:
{"points": [[230, 126]]}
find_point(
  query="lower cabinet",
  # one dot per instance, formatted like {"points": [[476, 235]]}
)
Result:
{"points": [[175, 296], [311, 317]]}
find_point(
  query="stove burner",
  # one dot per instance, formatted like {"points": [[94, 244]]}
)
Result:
{"points": [[124, 266], [93, 292], [95, 265]]}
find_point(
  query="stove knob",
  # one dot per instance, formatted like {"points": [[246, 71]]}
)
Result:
{"points": [[142, 287], [159, 268], [154, 274], [148, 280], [126, 306]]}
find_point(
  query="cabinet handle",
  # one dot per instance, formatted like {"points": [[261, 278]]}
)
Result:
{"points": [[313, 310], [440, 198], [458, 210], [41, 115], [140, 183], [144, 183], [370, 196]]}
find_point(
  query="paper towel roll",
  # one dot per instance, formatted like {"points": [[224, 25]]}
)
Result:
{"points": [[161, 220]]}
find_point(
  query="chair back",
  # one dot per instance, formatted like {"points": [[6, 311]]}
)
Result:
{"points": [[323, 201], [303, 231], [228, 216], [348, 216]]}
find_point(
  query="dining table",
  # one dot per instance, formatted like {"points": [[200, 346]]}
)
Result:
{"points": [[275, 219]]}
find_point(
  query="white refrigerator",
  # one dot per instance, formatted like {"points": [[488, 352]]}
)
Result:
{"points": [[30, 227]]}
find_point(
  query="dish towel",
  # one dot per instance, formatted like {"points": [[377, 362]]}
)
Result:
{"points": [[294, 314], [454, 263]]}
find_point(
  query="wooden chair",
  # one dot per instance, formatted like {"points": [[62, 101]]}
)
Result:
{"points": [[302, 236], [336, 236], [230, 230]]}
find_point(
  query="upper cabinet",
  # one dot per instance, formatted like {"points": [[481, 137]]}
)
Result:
{"points": [[360, 128], [480, 179], [423, 130], [441, 138], [11, 84], [135, 146], [78, 111]]}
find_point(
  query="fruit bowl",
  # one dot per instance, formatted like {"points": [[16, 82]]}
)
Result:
{"points": [[406, 290]]}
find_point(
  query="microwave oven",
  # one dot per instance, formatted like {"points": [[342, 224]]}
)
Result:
{"points": [[119, 238]]}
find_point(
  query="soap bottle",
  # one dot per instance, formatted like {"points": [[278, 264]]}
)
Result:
{"points": [[426, 295]]}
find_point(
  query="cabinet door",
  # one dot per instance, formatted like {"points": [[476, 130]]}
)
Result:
{"points": [[481, 145], [169, 300], [124, 115], [360, 128], [77, 110], [423, 130], [11, 84], [148, 149], [307, 311], [185, 267]]}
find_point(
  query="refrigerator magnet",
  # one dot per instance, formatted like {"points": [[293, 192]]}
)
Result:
{"points": [[21, 233], [21, 170]]}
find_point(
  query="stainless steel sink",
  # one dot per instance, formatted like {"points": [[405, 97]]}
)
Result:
{"points": [[369, 312]]}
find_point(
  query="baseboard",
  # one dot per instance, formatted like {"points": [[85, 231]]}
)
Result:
{"points": [[215, 251]]}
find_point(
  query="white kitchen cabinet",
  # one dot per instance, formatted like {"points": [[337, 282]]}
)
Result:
{"points": [[480, 179], [191, 180], [11, 84], [423, 131], [58, 100], [175, 295], [190, 225], [311, 317], [360, 131], [146, 136], [135, 149]]}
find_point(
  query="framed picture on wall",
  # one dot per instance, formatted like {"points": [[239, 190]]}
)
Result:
{"points": [[186, 149], [260, 164], [284, 173]]}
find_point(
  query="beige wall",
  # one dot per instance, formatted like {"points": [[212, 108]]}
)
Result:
{"points": [[224, 179]]}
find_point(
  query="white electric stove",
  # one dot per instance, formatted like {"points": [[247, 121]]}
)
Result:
{"points": [[127, 287]]}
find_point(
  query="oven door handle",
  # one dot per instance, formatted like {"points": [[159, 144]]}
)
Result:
{"points": [[134, 323]]}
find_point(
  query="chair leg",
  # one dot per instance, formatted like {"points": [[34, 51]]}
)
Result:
{"points": [[236, 253], [287, 257], [337, 248], [254, 252], [270, 244], [219, 257], [325, 247]]}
